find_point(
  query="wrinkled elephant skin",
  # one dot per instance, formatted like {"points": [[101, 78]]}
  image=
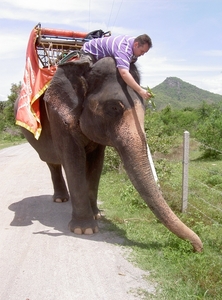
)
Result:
{"points": [[83, 111]]}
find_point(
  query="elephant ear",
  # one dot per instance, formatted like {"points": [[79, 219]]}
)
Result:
{"points": [[66, 91]]}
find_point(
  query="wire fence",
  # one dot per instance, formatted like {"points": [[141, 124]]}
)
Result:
{"points": [[191, 191]]}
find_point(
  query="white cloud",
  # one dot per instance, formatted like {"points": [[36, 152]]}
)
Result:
{"points": [[154, 63], [155, 70], [3, 97], [213, 83], [13, 44], [81, 15]]}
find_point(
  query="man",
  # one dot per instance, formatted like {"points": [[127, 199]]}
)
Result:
{"points": [[125, 50]]}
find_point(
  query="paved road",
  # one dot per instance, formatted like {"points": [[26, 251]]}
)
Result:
{"points": [[39, 258]]}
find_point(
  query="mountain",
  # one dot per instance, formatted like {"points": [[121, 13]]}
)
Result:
{"points": [[179, 94]]}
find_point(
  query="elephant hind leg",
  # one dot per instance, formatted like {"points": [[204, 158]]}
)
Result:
{"points": [[60, 190]]}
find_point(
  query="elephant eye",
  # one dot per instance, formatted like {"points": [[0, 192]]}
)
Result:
{"points": [[113, 108]]}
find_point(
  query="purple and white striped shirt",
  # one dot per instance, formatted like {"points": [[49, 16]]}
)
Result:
{"points": [[119, 47]]}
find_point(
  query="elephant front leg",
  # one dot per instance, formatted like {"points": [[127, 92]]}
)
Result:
{"points": [[93, 172], [83, 220]]}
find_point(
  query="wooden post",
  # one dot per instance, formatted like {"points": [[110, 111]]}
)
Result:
{"points": [[186, 137]]}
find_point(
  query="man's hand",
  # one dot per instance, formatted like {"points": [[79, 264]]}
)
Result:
{"points": [[144, 94]]}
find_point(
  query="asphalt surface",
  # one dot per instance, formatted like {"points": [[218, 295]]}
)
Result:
{"points": [[39, 258]]}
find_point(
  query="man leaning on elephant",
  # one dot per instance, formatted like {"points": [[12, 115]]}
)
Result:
{"points": [[124, 49]]}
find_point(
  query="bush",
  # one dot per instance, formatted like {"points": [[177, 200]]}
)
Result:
{"points": [[112, 160], [209, 131]]}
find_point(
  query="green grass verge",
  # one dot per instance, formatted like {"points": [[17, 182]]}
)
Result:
{"points": [[9, 144], [178, 272], [8, 140]]}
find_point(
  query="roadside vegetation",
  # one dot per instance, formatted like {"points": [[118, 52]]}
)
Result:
{"points": [[178, 272], [9, 133]]}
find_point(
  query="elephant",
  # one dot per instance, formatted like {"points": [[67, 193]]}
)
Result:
{"points": [[85, 109]]}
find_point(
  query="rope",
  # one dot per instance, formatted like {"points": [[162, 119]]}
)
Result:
{"points": [[117, 13], [110, 13]]}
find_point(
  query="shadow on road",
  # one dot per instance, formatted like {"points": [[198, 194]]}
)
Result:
{"points": [[57, 216], [42, 209]]}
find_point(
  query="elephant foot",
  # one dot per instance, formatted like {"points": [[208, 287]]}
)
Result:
{"points": [[60, 197], [87, 231], [60, 200], [83, 227], [96, 213]]}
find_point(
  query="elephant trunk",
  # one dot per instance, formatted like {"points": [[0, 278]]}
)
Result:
{"points": [[139, 171]]}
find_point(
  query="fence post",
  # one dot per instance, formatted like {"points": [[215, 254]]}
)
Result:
{"points": [[186, 136]]}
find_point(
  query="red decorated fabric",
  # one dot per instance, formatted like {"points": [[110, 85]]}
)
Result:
{"points": [[35, 82]]}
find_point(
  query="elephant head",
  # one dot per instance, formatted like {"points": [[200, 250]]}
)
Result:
{"points": [[110, 113]]}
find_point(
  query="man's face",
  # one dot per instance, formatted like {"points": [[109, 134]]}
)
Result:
{"points": [[140, 50]]}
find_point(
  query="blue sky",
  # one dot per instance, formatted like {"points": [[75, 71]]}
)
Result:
{"points": [[186, 35]]}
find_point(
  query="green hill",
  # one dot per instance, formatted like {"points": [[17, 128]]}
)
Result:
{"points": [[179, 94]]}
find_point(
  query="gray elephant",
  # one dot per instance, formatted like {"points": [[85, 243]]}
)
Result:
{"points": [[84, 110]]}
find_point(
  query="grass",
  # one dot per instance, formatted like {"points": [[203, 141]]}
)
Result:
{"points": [[6, 144], [179, 273]]}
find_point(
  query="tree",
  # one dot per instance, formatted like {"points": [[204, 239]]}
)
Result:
{"points": [[209, 130], [7, 117], [2, 106]]}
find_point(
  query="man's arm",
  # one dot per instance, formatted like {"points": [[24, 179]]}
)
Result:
{"points": [[129, 80]]}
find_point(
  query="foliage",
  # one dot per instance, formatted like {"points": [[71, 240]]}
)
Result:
{"points": [[178, 121], [9, 132], [2, 106], [130, 198], [157, 133], [112, 160], [7, 108], [209, 131], [203, 123]]}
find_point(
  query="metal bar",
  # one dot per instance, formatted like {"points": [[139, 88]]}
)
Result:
{"points": [[60, 41]]}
